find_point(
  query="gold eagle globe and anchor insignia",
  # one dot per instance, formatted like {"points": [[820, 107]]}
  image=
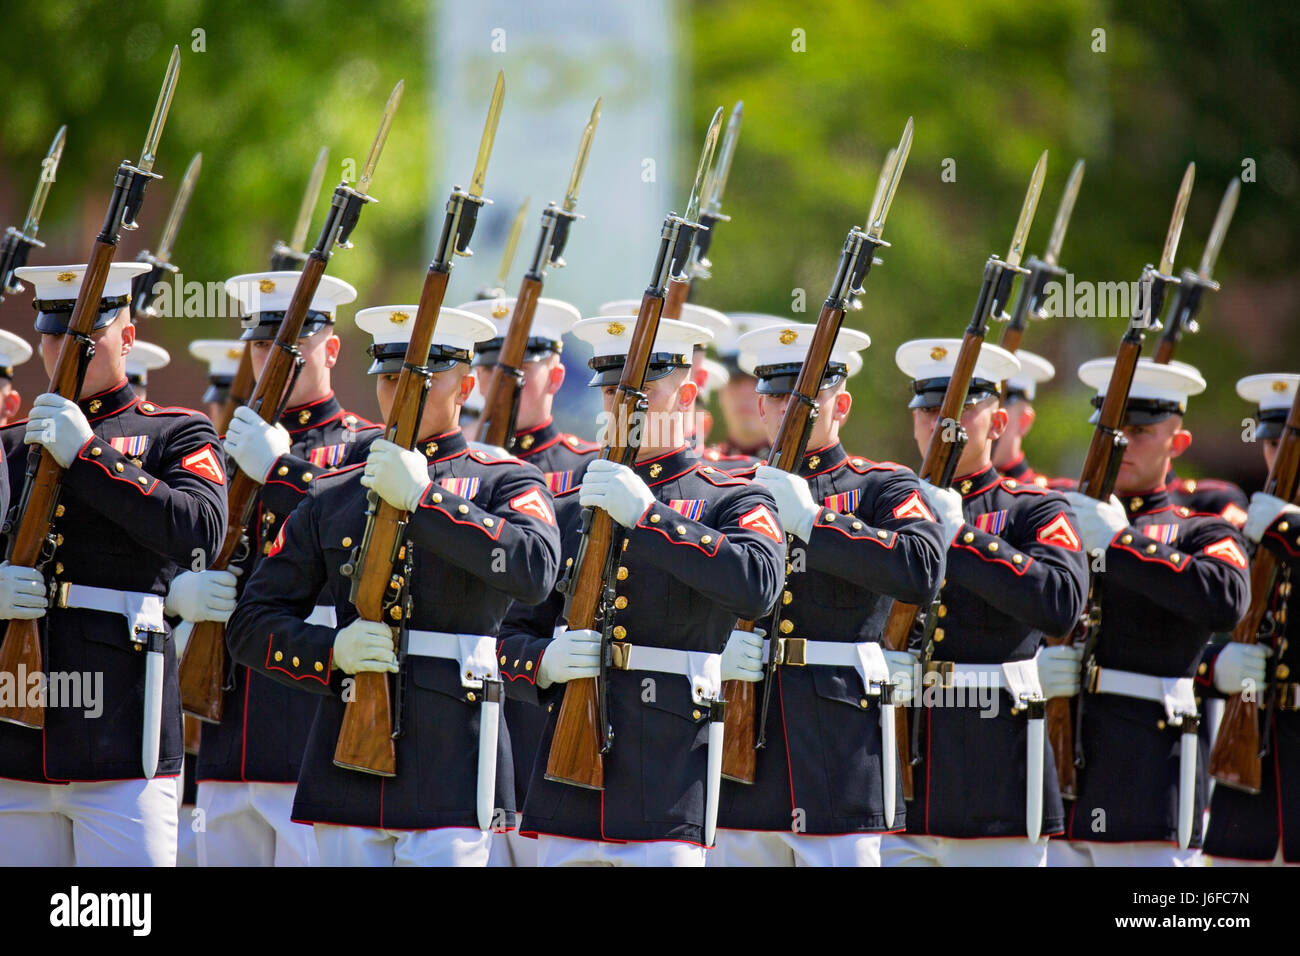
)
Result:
{"points": [[789, 336]]}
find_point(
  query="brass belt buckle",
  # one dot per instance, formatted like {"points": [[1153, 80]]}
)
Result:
{"points": [[61, 594], [945, 670], [619, 655], [1094, 677], [794, 651]]}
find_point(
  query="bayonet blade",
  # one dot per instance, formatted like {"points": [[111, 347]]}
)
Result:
{"points": [[49, 166], [512, 243], [1063, 213], [1213, 245], [148, 154], [1017, 249], [1176, 220], [886, 169], [309, 197], [181, 203], [580, 161], [377, 147], [702, 170], [717, 182], [895, 162], [489, 136]]}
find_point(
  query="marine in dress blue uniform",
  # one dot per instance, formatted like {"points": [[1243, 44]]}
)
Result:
{"points": [[562, 458], [248, 764], [1264, 828], [143, 493], [481, 534], [703, 549], [866, 536], [1169, 579], [1015, 575], [1018, 395], [745, 440], [222, 359]]}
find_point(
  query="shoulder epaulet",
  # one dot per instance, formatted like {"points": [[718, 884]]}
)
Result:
{"points": [[149, 408], [483, 458], [1018, 487], [718, 477], [580, 444], [864, 465]]}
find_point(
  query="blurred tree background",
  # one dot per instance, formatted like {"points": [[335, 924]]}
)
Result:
{"points": [[1136, 90]]}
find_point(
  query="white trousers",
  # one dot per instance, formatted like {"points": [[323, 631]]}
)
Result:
{"points": [[187, 851], [783, 848], [1231, 861], [561, 851], [900, 849], [511, 849], [368, 846], [1136, 854], [1062, 852], [91, 823], [249, 824]]}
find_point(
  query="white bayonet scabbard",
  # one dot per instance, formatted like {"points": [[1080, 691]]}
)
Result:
{"points": [[488, 730], [154, 667]]}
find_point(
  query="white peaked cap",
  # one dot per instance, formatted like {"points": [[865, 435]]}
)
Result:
{"points": [[1034, 369], [64, 282], [271, 292], [1174, 382], [787, 344], [1270, 391], [716, 322], [221, 355], [552, 320], [13, 350], [145, 357]]}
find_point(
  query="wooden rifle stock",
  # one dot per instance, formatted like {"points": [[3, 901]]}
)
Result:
{"points": [[1235, 759], [678, 290], [576, 746], [498, 425], [241, 389], [203, 668], [365, 740]]}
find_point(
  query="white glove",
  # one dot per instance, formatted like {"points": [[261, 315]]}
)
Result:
{"points": [[254, 445], [616, 489], [1059, 670], [1099, 521], [742, 658], [794, 501], [365, 646], [398, 475], [902, 674], [22, 593], [571, 655], [1264, 510], [1238, 664], [202, 595], [946, 505], [58, 425], [496, 451]]}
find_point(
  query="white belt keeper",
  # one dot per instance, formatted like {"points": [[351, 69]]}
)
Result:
{"points": [[476, 658]]}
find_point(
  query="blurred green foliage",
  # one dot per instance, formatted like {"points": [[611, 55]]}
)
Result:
{"points": [[990, 83]]}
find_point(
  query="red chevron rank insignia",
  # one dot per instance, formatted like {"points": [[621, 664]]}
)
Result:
{"points": [[1225, 549], [1234, 515], [278, 543], [205, 464], [534, 503], [1059, 532], [761, 520], [913, 507]]}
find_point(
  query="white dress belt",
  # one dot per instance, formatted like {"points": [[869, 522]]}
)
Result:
{"points": [[476, 653], [702, 670], [1176, 694], [143, 611], [866, 657]]}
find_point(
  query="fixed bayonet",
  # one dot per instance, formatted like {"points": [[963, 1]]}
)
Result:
{"points": [[512, 244], [18, 243], [580, 161], [489, 136], [1027, 210], [722, 169], [179, 205], [347, 202], [890, 173], [149, 154], [381, 137], [702, 170], [298, 238], [1213, 245], [1063, 213], [1176, 220], [145, 287]]}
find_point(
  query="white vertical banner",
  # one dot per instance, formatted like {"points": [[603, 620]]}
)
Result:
{"points": [[558, 56]]}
